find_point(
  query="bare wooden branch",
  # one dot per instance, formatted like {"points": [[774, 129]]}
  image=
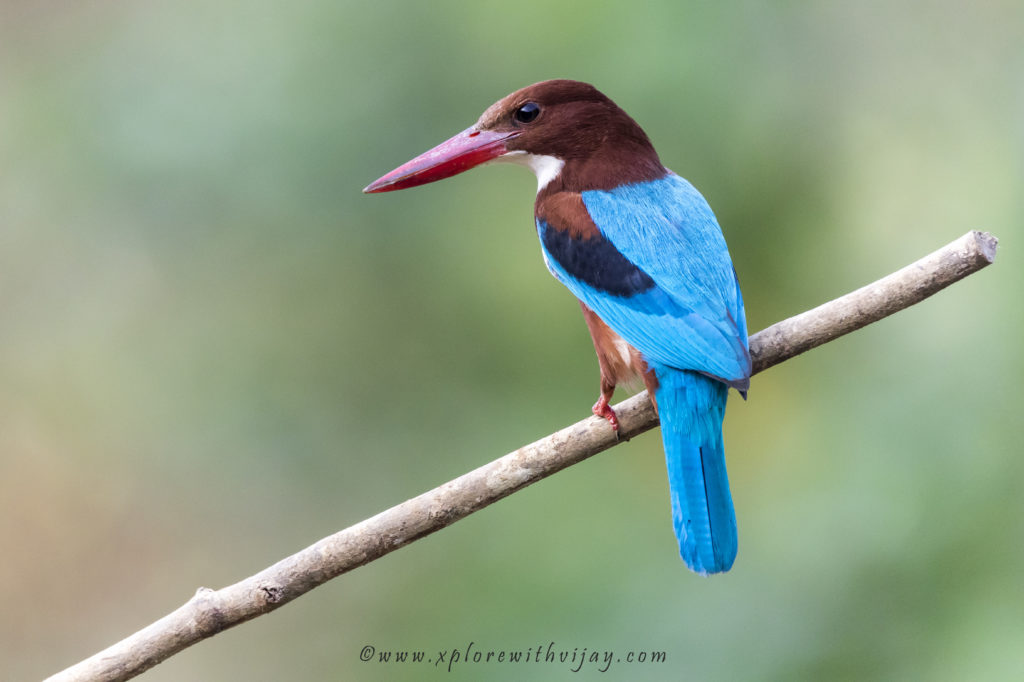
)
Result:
{"points": [[871, 303], [210, 611]]}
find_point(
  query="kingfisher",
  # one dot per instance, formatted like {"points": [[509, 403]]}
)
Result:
{"points": [[644, 254]]}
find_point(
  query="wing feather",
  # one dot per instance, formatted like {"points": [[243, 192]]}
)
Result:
{"points": [[659, 274]]}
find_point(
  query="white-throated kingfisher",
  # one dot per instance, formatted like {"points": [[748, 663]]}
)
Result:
{"points": [[642, 251]]}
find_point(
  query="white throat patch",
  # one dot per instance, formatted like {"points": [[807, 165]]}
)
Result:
{"points": [[546, 168]]}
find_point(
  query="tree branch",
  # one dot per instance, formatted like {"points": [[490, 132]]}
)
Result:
{"points": [[210, 611]]}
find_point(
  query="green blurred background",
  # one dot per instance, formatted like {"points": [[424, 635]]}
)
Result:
{"points": [[214, 350]]}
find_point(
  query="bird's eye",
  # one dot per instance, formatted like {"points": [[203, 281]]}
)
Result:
{"points": [[527, 112]]}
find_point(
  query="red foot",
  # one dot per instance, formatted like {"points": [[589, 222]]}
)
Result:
{"points": [[603, 409]]}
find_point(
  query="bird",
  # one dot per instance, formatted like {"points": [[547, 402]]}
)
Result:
{"points": [[642, 251]]}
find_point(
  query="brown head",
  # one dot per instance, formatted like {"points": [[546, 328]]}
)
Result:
{"points": [[569, 133]]}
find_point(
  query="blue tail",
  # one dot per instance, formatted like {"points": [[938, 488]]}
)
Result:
{"points": [[691, 407]]}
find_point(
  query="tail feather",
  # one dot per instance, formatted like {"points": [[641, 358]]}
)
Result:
{"points": [[691, 407]]}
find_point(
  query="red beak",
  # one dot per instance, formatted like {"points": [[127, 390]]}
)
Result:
{"points": [[466, 150]]}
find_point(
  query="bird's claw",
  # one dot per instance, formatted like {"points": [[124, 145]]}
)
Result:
{"points": [[603, 409]]}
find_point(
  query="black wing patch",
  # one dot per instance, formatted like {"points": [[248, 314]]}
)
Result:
{"points": [[594, 261]]}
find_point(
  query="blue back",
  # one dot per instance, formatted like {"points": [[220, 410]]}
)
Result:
{"points": [[683, 307]]}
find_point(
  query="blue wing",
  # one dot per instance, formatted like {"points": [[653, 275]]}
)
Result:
{"points": [[659, 274]]}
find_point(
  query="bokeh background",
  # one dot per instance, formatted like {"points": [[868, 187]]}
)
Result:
{"points": [[214, 350]]}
